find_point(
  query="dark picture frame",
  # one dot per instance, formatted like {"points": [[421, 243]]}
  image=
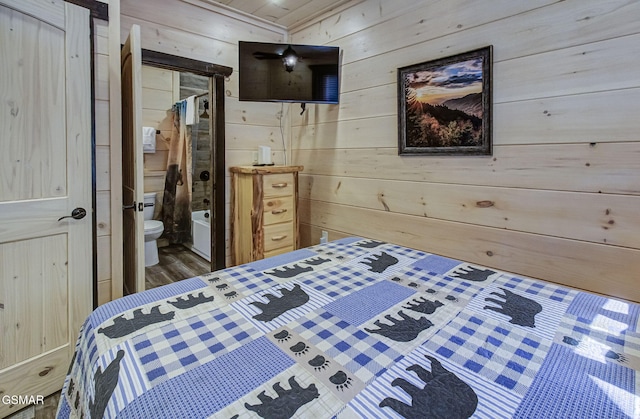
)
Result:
{"points": [[444, 105]]}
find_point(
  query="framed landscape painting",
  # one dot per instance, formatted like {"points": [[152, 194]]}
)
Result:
{"points": [[444, 105]]}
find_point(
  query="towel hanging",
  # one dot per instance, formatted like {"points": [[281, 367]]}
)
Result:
{"points": [[191, 116], [148, 140]]}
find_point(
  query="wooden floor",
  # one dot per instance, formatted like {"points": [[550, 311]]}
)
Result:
{"points": [[176, 263]]}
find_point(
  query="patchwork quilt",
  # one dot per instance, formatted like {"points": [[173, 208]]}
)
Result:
{"points": [[357, 328]]}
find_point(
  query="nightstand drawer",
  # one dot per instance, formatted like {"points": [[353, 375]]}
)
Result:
{"points": [[280, 251], [277, 236], [278, 184], [278, 210]]}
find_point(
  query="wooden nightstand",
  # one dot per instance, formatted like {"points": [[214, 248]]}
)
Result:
{"points": [[264, 211]]}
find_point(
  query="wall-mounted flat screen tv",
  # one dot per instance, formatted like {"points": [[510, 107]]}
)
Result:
{"points": [[288, 73]]}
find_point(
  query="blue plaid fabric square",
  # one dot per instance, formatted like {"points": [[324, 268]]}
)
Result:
{"points": [[544, 290], [177, 347], [242, 278], [623, 317], [339, 281], [351, 347], [504, 355], [204, 390], [438, 265], [366, 304], [334, 249]]}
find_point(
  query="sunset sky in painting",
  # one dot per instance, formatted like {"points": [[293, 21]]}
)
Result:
{"points": [[440, 84]]}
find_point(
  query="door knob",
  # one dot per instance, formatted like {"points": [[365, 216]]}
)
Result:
{"points": [[76, 214]]}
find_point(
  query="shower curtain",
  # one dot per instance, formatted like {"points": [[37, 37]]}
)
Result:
{"points": [[176, 203]]}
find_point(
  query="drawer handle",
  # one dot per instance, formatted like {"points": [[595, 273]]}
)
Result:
{"points": [[279, 211], [278, 238], [279, 185]]}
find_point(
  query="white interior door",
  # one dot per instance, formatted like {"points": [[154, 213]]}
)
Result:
{"points": [[132, 164], [46, 275]]}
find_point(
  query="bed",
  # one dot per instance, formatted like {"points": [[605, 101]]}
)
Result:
{"points": [[357, 328]]}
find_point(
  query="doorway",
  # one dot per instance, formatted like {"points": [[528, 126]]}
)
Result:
{"points": [[204, 250]]}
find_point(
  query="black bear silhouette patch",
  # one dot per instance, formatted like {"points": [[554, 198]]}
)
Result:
{"points": [[473, 274], [522, 310], [289, 272], [370, 244], [443, 396], [287, 402], [278, 305], [424, 306], [404, 330], [316, 261], [191, 301], [378, 263], [122, 327]]}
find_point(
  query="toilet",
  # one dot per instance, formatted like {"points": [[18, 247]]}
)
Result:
{"points": [[152, 230]]}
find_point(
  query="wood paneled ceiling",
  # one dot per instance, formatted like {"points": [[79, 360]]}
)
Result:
{"points": [[286, 13]]}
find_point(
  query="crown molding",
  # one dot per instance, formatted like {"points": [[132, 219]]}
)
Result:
{"points": [[239, 15]]}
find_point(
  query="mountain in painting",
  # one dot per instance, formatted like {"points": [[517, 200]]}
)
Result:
{"points": [[470, 104]]}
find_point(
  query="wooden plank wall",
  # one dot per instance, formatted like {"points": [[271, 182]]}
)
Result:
{"points": [[208, 34], [560, 197]]}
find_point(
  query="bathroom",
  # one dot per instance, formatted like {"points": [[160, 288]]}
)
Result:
{"points": [[190, 254]]}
